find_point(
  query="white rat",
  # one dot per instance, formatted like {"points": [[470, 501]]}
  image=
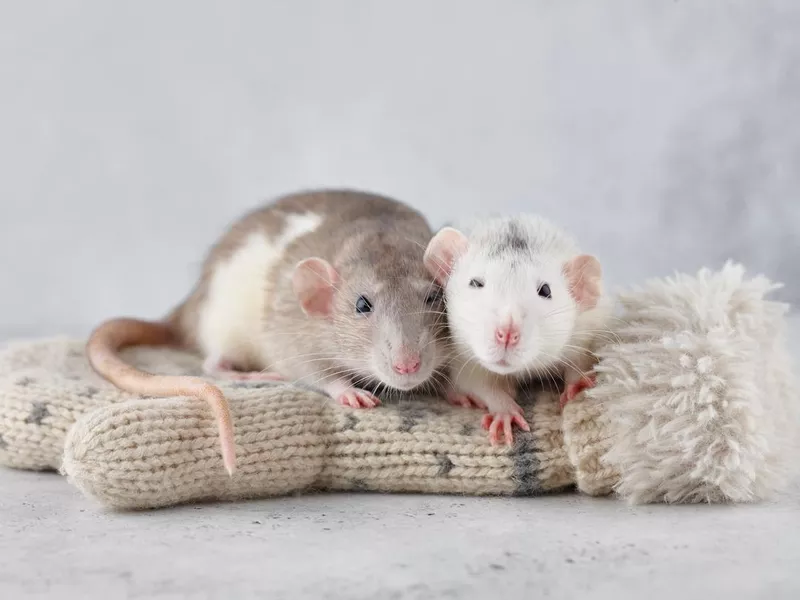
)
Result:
{"points": [[522, 302]]}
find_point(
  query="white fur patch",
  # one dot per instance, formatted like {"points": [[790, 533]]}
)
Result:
{"points": [[230, 321]]}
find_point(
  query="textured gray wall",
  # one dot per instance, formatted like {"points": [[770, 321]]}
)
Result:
{"points": [[664, 133]]}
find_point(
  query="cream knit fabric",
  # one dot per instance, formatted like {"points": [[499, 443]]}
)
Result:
{"points": [[134, 453]]}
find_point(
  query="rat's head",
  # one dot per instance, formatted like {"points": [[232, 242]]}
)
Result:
{"points": [[514, 289], [386, 313]]}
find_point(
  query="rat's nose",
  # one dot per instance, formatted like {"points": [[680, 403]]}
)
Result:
{"points": [[406, 364], [507, 335]]}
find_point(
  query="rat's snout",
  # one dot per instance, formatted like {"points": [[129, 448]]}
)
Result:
{"points": [[406, 362], [406, 355], [507, 335]]}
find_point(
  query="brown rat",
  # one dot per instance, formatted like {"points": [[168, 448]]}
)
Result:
{"points": [[327, 287]]}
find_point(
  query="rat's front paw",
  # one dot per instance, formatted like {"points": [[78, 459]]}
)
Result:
{"points": [[456, 398], [573, 389], [356, 398], [498, 422]]}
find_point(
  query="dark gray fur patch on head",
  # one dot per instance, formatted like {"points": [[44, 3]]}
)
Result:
{"points": [[3, 443], [38, 413], [24, 381], [445, 465], [526, 465], [511, 240]]}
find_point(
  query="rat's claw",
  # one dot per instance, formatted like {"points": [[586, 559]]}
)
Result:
{"points": [[358, 399], [494, 431], [368, 400], [507, 430], [521, 422], [496, 423]]}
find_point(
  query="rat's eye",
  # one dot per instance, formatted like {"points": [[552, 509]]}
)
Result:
{"points": [[476, 283], [434, 296], [363, 305], [544, 291]]}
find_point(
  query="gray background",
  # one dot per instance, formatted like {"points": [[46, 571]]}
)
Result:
{"points": [[664, 134]]}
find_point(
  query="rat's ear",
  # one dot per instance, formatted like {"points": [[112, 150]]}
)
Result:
{"points": [[314, 283], [584, 279], [443, 251]]}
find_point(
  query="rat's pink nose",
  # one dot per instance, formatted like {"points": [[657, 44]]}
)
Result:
{"points": [[507, 335], [406, 364]]}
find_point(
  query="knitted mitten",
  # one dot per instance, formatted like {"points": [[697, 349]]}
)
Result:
{"points": [[160, 452], [138, 453]]}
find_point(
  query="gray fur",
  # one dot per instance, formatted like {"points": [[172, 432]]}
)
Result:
{"points": [[511, 239]]}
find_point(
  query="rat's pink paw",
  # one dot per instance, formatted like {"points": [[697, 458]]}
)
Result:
{"points": [[356, 398], [464, 400], [498, 423], [573, 389]]}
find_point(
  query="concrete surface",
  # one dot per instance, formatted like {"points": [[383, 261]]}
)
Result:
{"points": [[56, 544], [663, 133]]}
